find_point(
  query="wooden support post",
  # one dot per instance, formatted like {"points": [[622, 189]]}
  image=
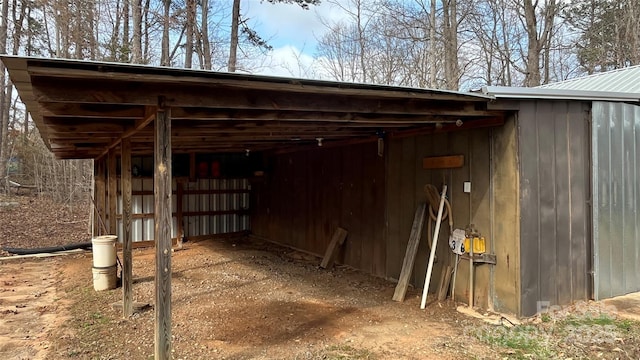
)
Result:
{"points": [[162, 206], [179, 219], [410, 255], [112, 223], [127, 258], [100, 197], [336, 241]]}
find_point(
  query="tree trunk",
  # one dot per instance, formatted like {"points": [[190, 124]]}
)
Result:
{"points": [[147, 25], [450, 40], [164, 60], [4, 100], [537, 41], [126, 41], [206, 46], [433, 69], [136, 51], [233, 46], [188, 48]]}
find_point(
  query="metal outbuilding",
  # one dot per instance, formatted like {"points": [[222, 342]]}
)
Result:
{"points": [[579, 146]]}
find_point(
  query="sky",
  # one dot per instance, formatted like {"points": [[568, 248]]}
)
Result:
{"points": [[292, 31]]}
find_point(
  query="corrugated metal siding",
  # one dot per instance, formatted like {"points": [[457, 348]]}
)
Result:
{"points": [[554, 192], [207, 198], [616, 198]]}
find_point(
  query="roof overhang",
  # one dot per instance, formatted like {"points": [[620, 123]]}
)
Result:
{"points": [[505, 92], [84, 108]]}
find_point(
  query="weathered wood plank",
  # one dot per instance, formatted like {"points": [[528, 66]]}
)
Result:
{"points": [[127, 258], [336, 241], [443, 162], [445, 279], [112, 192], [100, 197], [410, 255], [179, 213], [162, 206], [136, 93], [148, 118]]}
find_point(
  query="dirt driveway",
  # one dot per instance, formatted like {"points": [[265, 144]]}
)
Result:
{"points": [[236, 299], [30, 308], [231, 300]]}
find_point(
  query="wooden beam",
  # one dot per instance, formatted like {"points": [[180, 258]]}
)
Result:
{"points": [[113, 189], [148, 118], [98, 111], [162, 207], [127, 257], [179, 216], [158, 77], [445, 280], [443, 162], [100, 196], [410, 255], [336, 241], [220, 98]]}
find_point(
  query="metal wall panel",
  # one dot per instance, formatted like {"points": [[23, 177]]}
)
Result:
{"points": [[196, 225], [616, 198], [554, 193]]}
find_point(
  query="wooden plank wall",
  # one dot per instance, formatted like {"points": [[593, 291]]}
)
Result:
{"points": [[406, 179], [306, 195]]}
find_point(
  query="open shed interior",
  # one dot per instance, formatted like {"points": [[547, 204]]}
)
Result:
{"points": [[288, 159]]}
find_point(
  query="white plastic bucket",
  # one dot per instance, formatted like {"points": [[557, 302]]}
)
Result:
{"points": [[104, 251], [104, 278]]}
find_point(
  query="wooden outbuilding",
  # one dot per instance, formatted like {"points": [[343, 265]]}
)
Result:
{"points": [[292, 160]]}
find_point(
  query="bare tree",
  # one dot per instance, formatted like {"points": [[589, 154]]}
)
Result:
{"points": [[136, 51], [233, 47], [538, 36], [164, 59], [190, 28], [204, 36], [4, 98]]}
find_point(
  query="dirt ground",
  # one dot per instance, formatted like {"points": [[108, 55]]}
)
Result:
{"points": [[37, 221], [246, 299]]}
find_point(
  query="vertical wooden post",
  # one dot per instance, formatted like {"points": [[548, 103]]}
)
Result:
{"points": [[162, 205], [100, 196], [127, 258], [113, 188], [179, 219]]}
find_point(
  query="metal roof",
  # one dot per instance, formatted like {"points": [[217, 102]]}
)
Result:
{"points": [[85, 108], [625, 80], [558, 94]]}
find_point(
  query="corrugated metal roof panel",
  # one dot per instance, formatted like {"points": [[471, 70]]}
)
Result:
{"points": [[625, 80]]}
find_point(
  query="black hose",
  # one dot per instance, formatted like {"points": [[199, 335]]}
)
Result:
{"points": [[50, 249]]}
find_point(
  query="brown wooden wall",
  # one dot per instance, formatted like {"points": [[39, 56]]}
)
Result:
{"points": [[406, 181], [490, 164], [305, 195]]}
